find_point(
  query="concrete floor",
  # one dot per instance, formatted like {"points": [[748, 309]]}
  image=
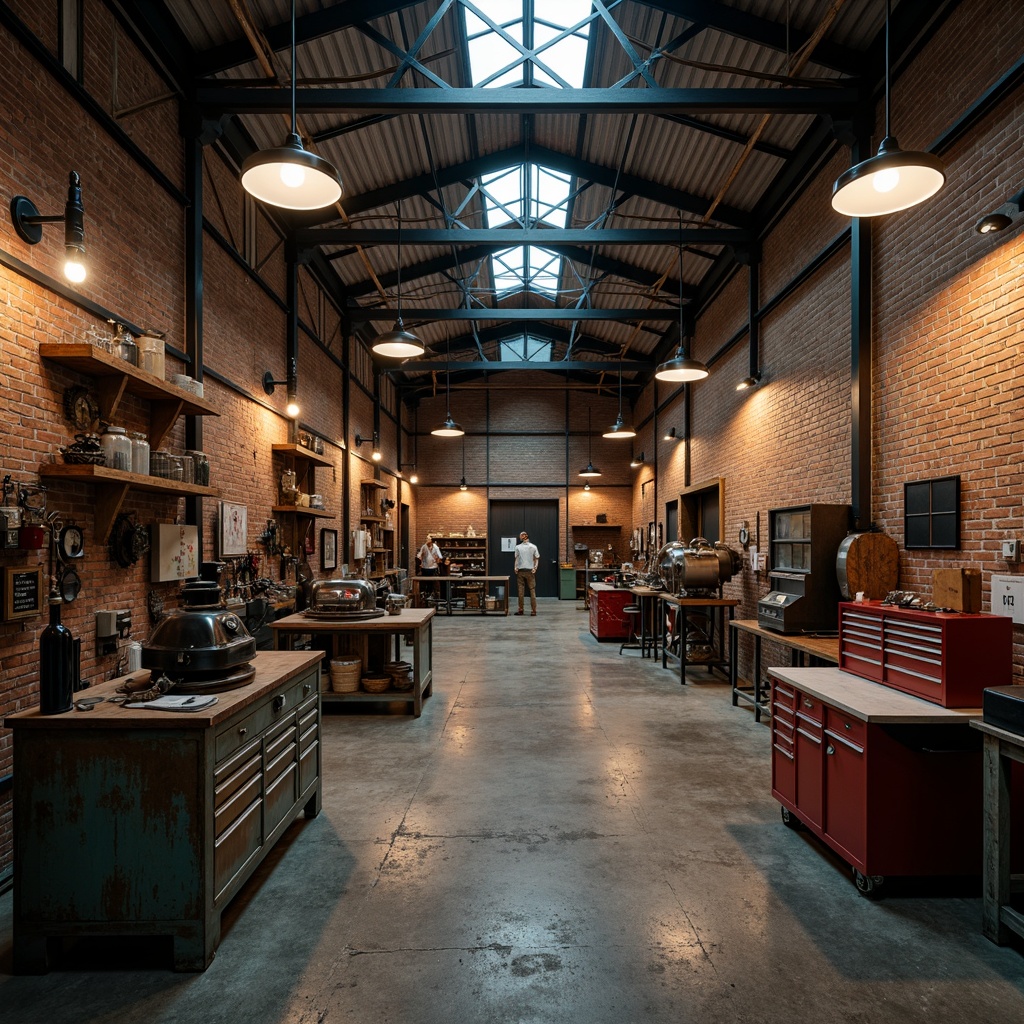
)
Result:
{"points": [[564, 835]]}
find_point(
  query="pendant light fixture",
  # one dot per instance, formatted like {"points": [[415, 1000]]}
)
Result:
{"points": [[398, 343], [619, 429], [291, 177], [449, 428], [462, 483], [681, 369], [586, 486], [590, 470], [892, 180]]}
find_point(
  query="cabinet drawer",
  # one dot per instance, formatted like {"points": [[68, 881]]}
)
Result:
{"points": [[234, 773], [839, 723], [810, 709], [249, 728], [240, 840], [309, 763], [781, 697], [236, 804], [783, 719], [281, 789]]}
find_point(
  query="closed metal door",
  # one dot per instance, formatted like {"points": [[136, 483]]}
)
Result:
{"points": [[540, 520]]}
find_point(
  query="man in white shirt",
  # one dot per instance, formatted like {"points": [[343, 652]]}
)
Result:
{"points": [[527, 560], [430, 558]]}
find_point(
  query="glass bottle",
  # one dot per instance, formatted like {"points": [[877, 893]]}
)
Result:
{"points": [[56, 663]]}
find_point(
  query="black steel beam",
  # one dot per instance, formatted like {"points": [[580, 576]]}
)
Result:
{"points": [[412, 316], [218, 99], [308, 237], [552, 366]]}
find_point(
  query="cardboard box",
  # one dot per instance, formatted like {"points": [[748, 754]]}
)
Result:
{"points": [[957, 589]]}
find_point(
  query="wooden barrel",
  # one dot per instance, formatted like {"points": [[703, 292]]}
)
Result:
{"points": [[868, 562]]}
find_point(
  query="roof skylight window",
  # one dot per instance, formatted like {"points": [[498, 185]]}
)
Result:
{"points": [[525, 348], [506, 48], [508, 195], [525, 268]]}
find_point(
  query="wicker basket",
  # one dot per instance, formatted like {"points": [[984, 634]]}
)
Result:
{"points": [[401, 675], [345, 673], [376, 684]]}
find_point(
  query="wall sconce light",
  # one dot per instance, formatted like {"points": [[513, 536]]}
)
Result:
{"points": [[412, 478], [586, 486], [374, 440], [669, 435], [292, 384], [637, 460], [749, 382], [1001, 219], [29, 224]]}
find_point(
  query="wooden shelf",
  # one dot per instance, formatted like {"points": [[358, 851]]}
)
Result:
{"points": [[299, 452], [372, 519], [114, 484], [373, 483], [596, 526], [300, 510], [115, 378]]}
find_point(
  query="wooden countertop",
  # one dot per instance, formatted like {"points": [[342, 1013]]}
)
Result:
{"points": [[272, 669], [699, 602], [825, 647], [870, 702], [407, 618]]}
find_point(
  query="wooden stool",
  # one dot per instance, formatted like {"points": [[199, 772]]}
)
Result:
{"points": [[632, 642]]}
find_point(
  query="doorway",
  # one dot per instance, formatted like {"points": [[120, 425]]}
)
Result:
{"points": [[671, 521], [540, 520], [403, 540]]}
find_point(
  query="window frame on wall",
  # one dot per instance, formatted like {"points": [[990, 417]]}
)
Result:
{"points": [[70, 30], [694, 507]]}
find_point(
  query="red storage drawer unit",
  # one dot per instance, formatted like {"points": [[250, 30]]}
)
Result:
{"points": [[947, 658], [607, 621]]}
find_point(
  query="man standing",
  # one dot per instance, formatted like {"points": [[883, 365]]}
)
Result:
{"points": [[527, 560], [429, 556]]}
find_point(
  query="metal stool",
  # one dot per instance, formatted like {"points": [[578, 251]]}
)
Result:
{"points": [[632, 642]]}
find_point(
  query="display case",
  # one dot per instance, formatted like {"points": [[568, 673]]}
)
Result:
{"points": [[464, 555], [802, 549], [379, 555]]}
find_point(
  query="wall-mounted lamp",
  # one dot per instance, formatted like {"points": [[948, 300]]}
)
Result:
{"points": [[412, 478], [669, 435], [373, 440], [29, 224], [586, 486], [292, 384], [749, 382], [637, 460], [1001, 219]]}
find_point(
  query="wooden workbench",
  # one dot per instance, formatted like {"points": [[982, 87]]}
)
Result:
{"points": [[716, 608]]}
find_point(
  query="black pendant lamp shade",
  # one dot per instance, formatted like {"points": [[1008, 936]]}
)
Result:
{"points": [[681, 369], [398, 343], [449, 428], [290, 176], [893, 179], [590, 470], [619, 429]]}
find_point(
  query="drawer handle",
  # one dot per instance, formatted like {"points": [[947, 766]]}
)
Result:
{"points": [[307, 688], [846, 725], [278, 702], [808, 703], [242, 731], [830, 749]]}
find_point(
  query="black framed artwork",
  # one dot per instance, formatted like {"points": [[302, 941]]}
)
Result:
{"points": [[328, 549], [931, 514]]}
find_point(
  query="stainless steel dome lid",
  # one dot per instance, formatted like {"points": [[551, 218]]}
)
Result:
{"points": [[350, 594]]}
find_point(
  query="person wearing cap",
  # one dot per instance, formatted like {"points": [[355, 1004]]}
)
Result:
{"points": [[527, 560]]}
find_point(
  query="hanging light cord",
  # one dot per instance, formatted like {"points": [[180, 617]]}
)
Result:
{"points": [[399, 272], [888, 94], [293, 69], [681, 282]]}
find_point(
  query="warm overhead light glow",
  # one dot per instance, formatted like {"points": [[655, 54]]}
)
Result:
{"points": [[28, 223], [448, 429], [891, 181], [462, 485], [681, 369], [586, 486], [289, 176], [637, 460], [619, 430], [292, 408], [398, 343], [414, 479], [669, 435], [749, 382], [74, 268], [590, 470], [375, 455]]}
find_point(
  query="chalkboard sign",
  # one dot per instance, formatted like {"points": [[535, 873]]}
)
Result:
{"points": [[23, 592]]}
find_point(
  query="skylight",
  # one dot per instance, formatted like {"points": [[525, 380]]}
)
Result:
{"points": [[525, 348], [525, 268], [507, 195], [549, 49]]}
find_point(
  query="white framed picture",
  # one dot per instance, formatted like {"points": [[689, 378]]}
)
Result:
{"points": [[234, 530]]}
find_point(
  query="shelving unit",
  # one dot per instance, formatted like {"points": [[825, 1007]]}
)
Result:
{"points": [[114, 379], [382, 537], [305, 463], [467, 551]]}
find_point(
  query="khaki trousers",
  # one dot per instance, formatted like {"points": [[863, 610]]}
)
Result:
{"points": [[525, 578]]}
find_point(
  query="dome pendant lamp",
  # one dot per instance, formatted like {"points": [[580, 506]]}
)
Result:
{"points": [[590, 470], [892, 180], [619, 429], [398, 343], [449, 428], [681, 369], [291, 177]]}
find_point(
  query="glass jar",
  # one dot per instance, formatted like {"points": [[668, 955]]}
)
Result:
{"points": [[174, 470], [117, 449], [140, 453], [188, 469], [289, 492], [152, 353], [124, 345], [201, 468]]}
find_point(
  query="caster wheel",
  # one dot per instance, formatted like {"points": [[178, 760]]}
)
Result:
{"points": [[790, 820], [869, 886]]}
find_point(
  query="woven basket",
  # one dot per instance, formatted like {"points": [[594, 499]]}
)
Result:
{"points": [[376, 684], [345, 673], [401, 675]]}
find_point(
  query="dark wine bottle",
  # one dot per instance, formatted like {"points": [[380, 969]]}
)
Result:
{"points": [[56, 664]]}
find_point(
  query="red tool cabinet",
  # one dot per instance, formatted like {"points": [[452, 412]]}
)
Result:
{"points": [[607, 620]]}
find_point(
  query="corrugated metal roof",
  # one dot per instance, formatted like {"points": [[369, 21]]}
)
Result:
{"points": [[699, 157]]}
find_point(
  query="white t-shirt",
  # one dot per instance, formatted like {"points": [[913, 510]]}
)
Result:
{"points": [[527, 555], [430, 555]]}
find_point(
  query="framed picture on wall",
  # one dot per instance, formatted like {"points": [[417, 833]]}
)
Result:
{"points": [[233, 534], [328, 549]]}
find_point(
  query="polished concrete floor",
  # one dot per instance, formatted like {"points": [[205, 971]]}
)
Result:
{"points": [[565, 835]]}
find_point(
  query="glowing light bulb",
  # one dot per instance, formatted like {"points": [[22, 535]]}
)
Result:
{"points": [[292, 409], [292, 175], [886, 181], [414, 479], [74, 270], [376, 456]]}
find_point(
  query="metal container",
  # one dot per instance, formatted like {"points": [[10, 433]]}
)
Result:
{"points": [[698, 567], [348, 596], [117, 449], [394, 603]]}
